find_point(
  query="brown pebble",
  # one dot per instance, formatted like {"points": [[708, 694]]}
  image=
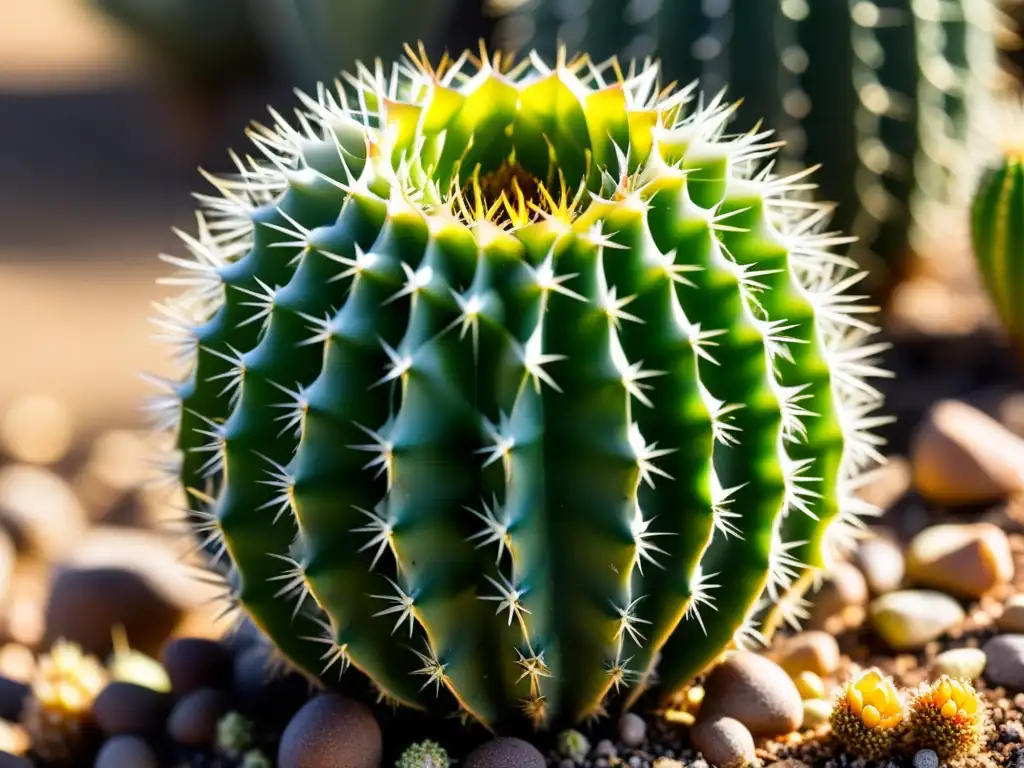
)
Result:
{"points": [[960, 455], [754, 690], [724, 742], [964, 560], [812, 651], [331, 731]]}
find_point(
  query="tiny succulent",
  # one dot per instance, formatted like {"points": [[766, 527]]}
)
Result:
{"points": [[868, 715], [424, 754], [525, 384], [58, 712], [234, 733], [573, 745], [947, 716]]}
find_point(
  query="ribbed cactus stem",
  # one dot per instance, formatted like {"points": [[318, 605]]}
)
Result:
{"points": [[997, 230], [525, 386]]}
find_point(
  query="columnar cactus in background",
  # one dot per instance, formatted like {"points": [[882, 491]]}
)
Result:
{"points": [[997, 230], [316, 39], [202, 46], [890, 132], [520, 385]]}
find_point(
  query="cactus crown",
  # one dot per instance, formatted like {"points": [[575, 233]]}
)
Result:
{"points": [[502, 381]]}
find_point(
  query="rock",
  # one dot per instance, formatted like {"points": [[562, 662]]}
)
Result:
{"points": [[812, 651], [505, 753], [724, 742], [126, 752], [331, 731], [604, 748], [1005, 666], [909, 619], [268, 693], [85, 603], [964, 560], [880, 559], [1012, 618], [816, 712], [968, 663], [755, 691], [193, 663], [12, 699], [887, 484], [962, 456], [128, 708], [40, 512], [840, 602], [810, 685], [193, 721], [925, 758], [1011, 733], [632, 729], [118, 576]]}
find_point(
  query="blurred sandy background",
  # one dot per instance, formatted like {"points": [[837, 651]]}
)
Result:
{"points": [[93, 174]]}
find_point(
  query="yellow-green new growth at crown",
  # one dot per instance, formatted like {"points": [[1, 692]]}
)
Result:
{"points": [[521, 386]]}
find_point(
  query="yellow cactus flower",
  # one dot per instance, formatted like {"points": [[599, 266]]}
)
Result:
{"points": [[867, 716], [949, 717]]}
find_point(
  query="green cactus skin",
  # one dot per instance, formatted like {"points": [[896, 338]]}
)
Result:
{"points": [[889, 133], [522, 386], [997, 232]]}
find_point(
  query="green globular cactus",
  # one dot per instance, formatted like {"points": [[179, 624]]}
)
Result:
{"points": [[519, 385], [887, 95], [997, 232]]}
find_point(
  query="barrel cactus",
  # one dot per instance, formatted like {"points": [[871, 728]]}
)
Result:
{"points": [[519, 384], [997, 226], [889, 133]]}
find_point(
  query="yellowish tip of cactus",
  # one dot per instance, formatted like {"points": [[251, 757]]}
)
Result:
{"points": [[948, 716], [867, 716]]}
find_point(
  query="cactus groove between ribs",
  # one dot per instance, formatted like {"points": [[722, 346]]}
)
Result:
{"points": [[522, 387]]}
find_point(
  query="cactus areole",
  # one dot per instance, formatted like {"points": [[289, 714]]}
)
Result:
{"points": [[519, 389]]}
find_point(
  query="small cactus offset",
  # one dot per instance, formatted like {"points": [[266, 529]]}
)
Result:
{"points": [[883, 93], [947, 716], [520, 385], [424, 754], [868, 716], [997, 232]]}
